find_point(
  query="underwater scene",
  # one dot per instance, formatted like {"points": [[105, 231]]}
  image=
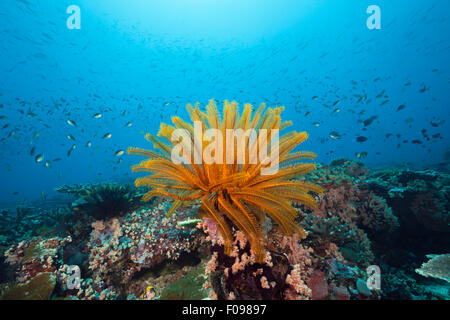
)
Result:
{"points": [[224, 150]]}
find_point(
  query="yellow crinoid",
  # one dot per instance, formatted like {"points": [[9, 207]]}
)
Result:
{"points": [[237, 164]]}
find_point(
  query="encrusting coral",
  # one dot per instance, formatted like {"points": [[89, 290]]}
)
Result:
{"points": [[237, 193]]}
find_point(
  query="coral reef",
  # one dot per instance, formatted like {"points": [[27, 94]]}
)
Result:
{"points": [[142, 239], [26, 221], [349, 212], [289, 271], [364, 217], [34, 264]]}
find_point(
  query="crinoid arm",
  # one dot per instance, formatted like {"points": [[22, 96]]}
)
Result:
{"points": [[236, 195]]}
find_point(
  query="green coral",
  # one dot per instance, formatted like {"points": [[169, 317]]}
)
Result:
{"points": [[38, 288], [190, 287]]}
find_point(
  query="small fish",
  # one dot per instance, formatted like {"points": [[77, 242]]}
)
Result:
{"points": [[36, 135], [97, 116], [88, 144], [436, 136], [107, 136], [56, 159], [39, 158], [70, 137], [401, 107], [335, 135], [47, 164], [32, 151], [336, 103], [316, 124], [128, 124], [337, 110], [369, 121], [437, 124], [71, 149], [119, 153], [425, 88], [361, 139], [361, 99], [72, 123], [361, 155]]}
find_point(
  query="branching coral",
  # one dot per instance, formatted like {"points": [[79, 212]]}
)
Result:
{"points": [[233, 193], [437, 267]]}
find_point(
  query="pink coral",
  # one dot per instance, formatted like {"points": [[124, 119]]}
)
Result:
{"points": [[318, 284], [297, 285]]}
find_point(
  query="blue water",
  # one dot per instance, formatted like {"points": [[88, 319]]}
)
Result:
{"points": [[142, 61]]}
